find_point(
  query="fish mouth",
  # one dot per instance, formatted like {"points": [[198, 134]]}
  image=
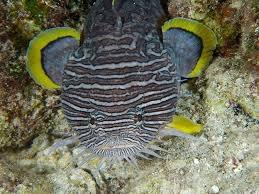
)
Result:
{"points": [[119, 149], [128, 151], [120, 146]]}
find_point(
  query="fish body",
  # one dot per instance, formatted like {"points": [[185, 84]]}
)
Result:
{"points": [[120, 85]]}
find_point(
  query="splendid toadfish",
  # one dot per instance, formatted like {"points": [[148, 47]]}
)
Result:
{"points": [[120, 80]]}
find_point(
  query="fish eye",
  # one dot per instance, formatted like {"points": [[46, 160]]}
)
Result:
{"points": [[139, 117], [92, 120], [96, 116], [136, 114]]}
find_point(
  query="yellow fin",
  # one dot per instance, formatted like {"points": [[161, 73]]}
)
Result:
{"points": [[207, 36], [113, 2], [34, 56], [184, 125]]}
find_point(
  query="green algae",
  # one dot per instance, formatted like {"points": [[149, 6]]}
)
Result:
{"points": [[36, 12], [30, 118], [22, 103], [16, 70]]}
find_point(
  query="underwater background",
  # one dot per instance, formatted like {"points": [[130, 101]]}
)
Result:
{"points": [[224, 99]]}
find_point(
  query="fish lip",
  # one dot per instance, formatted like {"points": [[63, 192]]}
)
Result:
{"points": [[119, 146]]}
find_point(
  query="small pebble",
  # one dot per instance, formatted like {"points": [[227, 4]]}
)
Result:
{"points": [[196, 161], [214, 189], [240, 156]]}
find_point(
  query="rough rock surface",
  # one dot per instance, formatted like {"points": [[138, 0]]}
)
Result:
{"points": [[224, 99]]}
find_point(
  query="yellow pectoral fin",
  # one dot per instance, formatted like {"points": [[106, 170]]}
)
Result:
{"points": [[184, 125], [113, 2], [38, 45], [204, 33]]}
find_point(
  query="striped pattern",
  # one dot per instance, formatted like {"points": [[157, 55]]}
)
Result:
{"points": [[119, 88]]}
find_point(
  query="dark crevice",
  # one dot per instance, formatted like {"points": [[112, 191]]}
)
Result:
{"points": [[239, 110], [164, 4], [97, 186]]}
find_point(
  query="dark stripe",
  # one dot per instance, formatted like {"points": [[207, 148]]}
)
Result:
{"points": [[118, 71], [114, 81], [117, 92], [114, 109]]}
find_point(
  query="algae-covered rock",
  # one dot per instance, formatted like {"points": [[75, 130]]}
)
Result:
{"points": [[228, 19], [231, 85], [23, 113], [15, 180], [41, 171]]}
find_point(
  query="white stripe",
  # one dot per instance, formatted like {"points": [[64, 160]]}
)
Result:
{"points": [[120, 86], [99, 143], [153, 122], [63, 101], [90, 110], [116, 113], [132, 141], [85, 134], [153, 109], [159, 112], [86, 143], [151, 52], [115, 122], [115, 76], [80, 127], [157, 101], [112, 66], [121, 128], [77, 118], [133, 35], [124, 54], [131, 46], [150, 129], [101, 103]]}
